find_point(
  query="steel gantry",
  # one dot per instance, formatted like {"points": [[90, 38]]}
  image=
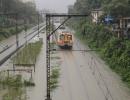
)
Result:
{"points": [[50, 32]]}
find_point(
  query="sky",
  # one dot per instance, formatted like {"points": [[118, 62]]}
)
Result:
{"points": [[59, 6]]}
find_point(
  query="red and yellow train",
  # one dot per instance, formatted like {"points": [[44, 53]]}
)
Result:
{"points": [[65, 39]]}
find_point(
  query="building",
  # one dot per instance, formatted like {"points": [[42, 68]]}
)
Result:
{"points": [[123, 27], [96, 13], [124, 22]]}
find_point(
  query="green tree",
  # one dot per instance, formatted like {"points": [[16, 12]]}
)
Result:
{"points": [[117, 8]]}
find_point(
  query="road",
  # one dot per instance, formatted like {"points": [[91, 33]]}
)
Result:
{"points": [[11, 42], [84, 76]]}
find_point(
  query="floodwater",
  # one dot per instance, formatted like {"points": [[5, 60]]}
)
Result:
{"points": [[84, 76], [39, 91]]}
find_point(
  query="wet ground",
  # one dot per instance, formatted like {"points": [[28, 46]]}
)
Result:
{"points": [[39, 91]]}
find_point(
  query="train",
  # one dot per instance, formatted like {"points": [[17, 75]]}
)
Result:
{"points": [[65, 39]]}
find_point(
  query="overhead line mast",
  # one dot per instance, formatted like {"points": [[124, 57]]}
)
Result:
{"points": [[48, 49]]}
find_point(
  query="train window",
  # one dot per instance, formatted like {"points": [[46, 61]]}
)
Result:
{"points": [[69, 37], [61, 37]]}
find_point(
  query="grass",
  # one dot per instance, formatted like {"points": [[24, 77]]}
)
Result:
{"points": [[15, 86], [55, 73], [53, 52], [28, 83], [7, 32], [55, 57], [28, 54]]}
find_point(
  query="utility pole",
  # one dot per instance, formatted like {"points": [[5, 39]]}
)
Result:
{"points": [[38, 23], [17, 40], [1, 5], [52, 28], [48, 23], [25, 29]]}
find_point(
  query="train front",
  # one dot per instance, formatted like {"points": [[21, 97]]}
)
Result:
{"points": [[65, 40]]}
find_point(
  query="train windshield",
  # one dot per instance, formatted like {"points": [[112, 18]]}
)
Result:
{"points": [[62, 37], [69, 37]]}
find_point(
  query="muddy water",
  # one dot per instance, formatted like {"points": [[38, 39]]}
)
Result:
{"points": [[39, 91], [84, 76]]}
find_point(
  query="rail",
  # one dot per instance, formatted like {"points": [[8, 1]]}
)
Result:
{"points": [[13, 52]]}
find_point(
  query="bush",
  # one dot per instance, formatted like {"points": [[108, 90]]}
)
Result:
{"points": [[29, 83], [54, 78]]}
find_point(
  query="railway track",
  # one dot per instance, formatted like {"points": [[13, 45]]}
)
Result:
{"points": [[5, 58]]}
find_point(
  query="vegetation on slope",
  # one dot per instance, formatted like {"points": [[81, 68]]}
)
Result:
{"points": [[115, 51], [26, 15]]}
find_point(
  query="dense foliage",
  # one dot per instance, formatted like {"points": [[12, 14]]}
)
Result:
{"points": [[25, 10], [117, 8], [17, 6], [7, 32], [112, 7], [27, 15]]}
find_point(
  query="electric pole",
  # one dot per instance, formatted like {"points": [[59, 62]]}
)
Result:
{"points": [[38, 23], [1, 5], [49, 33], [48, 23], [17, 40]]}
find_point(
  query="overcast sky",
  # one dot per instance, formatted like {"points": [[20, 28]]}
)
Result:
{"points": [[56, 5]]}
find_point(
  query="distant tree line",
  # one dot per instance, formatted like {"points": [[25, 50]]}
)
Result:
{"points": [[112, 7], [25, 11]]}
